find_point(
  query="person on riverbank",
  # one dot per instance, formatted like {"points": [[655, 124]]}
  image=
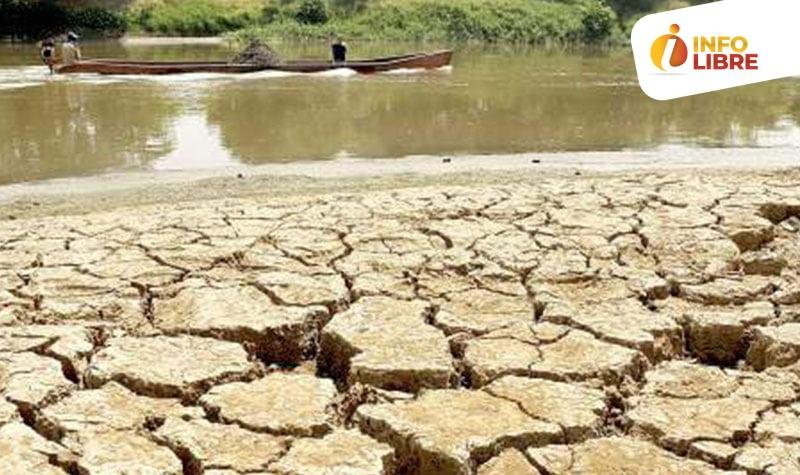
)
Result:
{"points": [[48, 53], [70, 52], [339, 51]]}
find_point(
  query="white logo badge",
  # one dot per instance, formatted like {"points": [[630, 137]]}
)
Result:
{"points": [[715, 46]]}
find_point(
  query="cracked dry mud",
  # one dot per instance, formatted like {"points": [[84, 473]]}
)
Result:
{"points": [[637, 323]]}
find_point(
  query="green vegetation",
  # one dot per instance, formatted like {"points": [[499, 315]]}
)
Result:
{"points": [[517, 21], [628, 11], [312, 12], [28, 18], [194, 17], [634, 8], [514, 21]]}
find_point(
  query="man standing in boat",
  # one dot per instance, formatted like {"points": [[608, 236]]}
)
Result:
{"points": [[339, 51], [48, 53], [70, 52]]}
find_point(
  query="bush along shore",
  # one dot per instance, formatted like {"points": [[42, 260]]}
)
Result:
{"points": [[21, 19], [491, 21], [517, 21]]}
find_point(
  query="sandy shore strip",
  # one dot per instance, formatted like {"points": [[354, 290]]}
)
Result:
{"points": [[131, 188], [478, 322]]}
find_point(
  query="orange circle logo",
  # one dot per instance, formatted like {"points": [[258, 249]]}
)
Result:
{"points": [[678, 54]]}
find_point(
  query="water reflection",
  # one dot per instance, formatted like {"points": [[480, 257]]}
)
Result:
{"points": [[489, 104], [493, 101], [198, 145], [73, 129]]}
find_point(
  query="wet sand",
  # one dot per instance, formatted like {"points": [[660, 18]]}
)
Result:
{"points": [[82, 194]]}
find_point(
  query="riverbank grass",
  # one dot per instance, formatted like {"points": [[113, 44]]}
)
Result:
{"points": [[194, 17], [489, 21], [512, 21]]}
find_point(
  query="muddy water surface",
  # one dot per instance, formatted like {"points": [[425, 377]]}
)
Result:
{"points": [[493, 101]]}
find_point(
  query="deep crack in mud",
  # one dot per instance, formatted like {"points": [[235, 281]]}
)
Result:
{"points": [[594, 325]]}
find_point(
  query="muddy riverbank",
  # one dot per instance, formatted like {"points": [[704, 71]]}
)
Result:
{"points": [[499, 322], [104, 192]]}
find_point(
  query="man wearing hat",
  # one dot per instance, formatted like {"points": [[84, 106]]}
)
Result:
{"points": [[70, 52]]}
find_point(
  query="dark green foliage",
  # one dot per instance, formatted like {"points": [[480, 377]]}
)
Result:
{"points": [[625, 8], [271, 13], [349, 6], [516, 21], [312, 12], [40, 19], [194, 18], [31, 18], [598, 21], [629, 8], [97, 19]]}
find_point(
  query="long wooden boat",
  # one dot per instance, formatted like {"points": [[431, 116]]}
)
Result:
{"points": [[433, 60]]}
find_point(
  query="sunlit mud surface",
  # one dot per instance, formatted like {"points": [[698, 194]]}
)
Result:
{"points": [[606, 324]]}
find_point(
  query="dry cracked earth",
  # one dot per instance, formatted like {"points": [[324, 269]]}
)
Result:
{"points": [[610, 324]]}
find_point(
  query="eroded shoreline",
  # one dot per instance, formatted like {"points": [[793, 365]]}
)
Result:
{"points": [[503, 322], [134, 188]]}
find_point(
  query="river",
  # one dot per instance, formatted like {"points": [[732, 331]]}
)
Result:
{"points": [[494, 100]]}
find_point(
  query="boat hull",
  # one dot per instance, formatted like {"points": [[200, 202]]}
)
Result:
{"points": [[122, 67]]}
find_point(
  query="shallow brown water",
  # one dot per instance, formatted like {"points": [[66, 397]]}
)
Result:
{"points": [[493, 101]]}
